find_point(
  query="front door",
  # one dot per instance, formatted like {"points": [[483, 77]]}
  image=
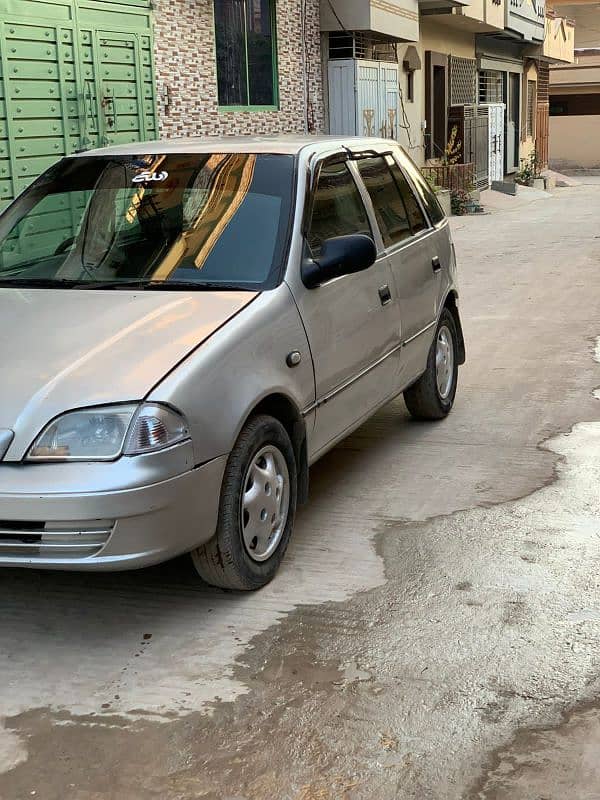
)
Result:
{"points": [[513, 116], [497, 143], [389, 103], [351, 322], [124, 86]]}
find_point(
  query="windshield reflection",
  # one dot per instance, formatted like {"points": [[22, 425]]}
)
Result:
{"points": [[210, 218]]}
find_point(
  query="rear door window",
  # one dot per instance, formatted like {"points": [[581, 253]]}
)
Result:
{"points": [[338, 209], [424, 190], [417, 219], [390, 209]]}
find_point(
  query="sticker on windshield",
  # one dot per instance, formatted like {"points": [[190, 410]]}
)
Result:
{"points": [[146, 177]]}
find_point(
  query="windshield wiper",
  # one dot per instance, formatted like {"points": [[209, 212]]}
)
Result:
{"points": [[36, 283], [165, 286], [145, 285]]}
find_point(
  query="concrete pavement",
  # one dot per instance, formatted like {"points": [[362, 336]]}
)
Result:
{"points": [[435, 630]]}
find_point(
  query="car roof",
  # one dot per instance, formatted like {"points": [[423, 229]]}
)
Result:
{"points": [[282, 144]]}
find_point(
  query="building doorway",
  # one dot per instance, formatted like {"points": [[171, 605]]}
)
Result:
{"points": [[513, 118], [436, 103]]}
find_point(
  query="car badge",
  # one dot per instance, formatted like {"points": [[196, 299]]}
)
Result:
{"points": [[149, 177]]}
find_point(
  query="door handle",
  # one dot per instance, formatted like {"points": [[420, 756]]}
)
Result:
{"points": [[436, 264], [385, 295]]}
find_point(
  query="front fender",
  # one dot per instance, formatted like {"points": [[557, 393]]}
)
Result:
{"points": [[219, 385]]}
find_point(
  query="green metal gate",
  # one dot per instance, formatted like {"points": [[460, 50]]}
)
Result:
{"points": [[74, 74]]}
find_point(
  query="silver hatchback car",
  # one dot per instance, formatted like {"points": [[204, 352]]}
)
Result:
{"points": [[188, 325]]}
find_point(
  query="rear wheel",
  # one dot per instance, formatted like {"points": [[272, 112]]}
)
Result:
{"points": [[256, 511], [432, 396]]}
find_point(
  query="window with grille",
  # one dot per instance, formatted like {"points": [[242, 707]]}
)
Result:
{"points": [[246, 53], [491, 86], [463, 87], [360, 44], [531, 103]]}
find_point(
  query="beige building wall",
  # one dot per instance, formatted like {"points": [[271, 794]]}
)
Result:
{"points": [[583, 74], [495, 13], [575, 142], [444, 39], [440, 38], [412, 113]]}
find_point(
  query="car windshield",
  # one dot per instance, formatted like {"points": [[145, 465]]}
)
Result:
{"points": [[218, 220]]}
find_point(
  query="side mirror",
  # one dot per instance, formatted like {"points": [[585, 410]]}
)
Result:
{"points": [[341, 255]]}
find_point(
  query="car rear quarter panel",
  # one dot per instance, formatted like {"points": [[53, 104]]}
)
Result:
{"points": [[219, 385], [445, 252]]}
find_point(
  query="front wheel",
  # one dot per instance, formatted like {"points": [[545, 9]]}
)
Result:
{"points": [[256, 511], [432, 396]]}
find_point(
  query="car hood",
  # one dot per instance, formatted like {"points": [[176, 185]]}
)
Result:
{"points": [[65, 349]]}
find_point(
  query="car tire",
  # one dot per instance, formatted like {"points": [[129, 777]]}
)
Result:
{"points": [[432, 396], [260, 482]]}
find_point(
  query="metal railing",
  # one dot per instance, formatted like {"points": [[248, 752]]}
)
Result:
{"points": [[451, 176]]}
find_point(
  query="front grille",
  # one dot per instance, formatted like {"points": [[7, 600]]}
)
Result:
{"points": [[47, 540]]}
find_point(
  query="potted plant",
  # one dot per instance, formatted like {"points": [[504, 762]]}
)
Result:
{"points": [[461, 201], [530, 173]]}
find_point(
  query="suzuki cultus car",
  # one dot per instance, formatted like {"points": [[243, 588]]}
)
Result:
{"points": [[188, 325]]}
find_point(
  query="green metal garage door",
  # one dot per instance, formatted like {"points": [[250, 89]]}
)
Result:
{"points": [[74, 74]]}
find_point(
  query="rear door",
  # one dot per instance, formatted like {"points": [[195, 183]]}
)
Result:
{"points": [[351, 322], [440, 241], [412, 250]]}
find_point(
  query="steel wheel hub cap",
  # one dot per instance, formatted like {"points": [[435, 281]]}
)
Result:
{"points": [[265, 503], [444, 362]]}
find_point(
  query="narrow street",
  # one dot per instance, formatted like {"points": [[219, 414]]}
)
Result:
{"points": [[434, 633]]}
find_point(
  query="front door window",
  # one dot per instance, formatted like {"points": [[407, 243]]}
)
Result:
{"points": [[338, 209]]}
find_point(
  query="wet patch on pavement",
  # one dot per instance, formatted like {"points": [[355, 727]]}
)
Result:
{"points": [[547, 763], [330, 687]]}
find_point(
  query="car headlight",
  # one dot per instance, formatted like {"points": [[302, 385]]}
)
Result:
{"points": [[106, 432]]}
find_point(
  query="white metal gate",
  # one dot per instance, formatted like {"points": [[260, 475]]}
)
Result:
{"points": [[389, 100], [496, 113], [363, 98]]}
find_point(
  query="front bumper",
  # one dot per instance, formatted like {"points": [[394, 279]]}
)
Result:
{"points": [[132, 513]]}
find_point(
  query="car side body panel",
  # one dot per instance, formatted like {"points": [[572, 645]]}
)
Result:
{"points": [[219, 385]]}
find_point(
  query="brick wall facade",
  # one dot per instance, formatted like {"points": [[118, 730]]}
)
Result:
{"points": [[186, 71]]}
